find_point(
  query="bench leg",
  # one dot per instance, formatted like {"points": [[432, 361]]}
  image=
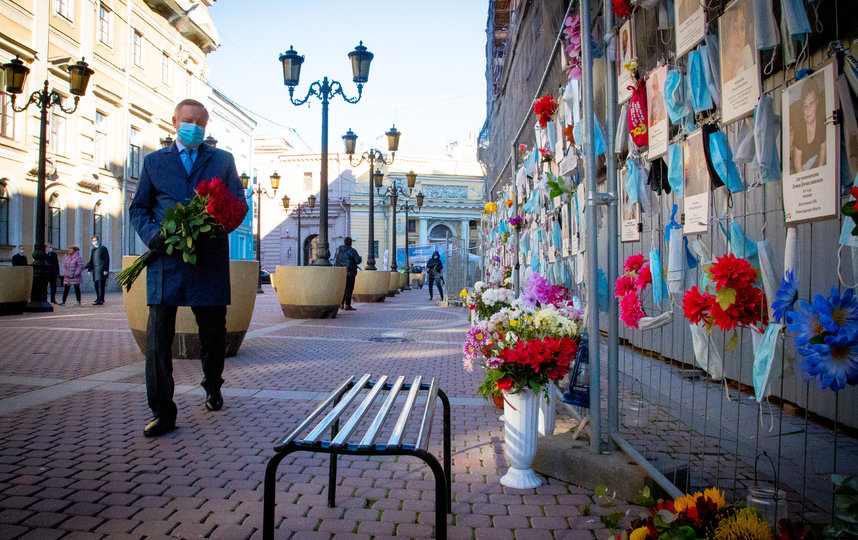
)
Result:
{"points": [[442, 496], [448, 467], [269, 494], [332, 481]]}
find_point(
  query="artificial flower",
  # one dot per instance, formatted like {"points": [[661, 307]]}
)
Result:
{"points": [[644, 277], [786, 296], [732, 271], [621, 8], [545, 107], [516, 222], [716, 496], [631, 311], [641, 533], [491, 208], [625, 284], [508, 203], [505, 383], [744, 311], [569, 133], [837, 311], [744, 524], [634, 263], [696, 305], [833, 363], [522, 150], [804, 320]]}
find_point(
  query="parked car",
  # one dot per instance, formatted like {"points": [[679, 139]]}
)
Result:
{"points": [[264, 277]]}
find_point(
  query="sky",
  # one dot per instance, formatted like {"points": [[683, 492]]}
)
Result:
{"points": [[427, 76]]}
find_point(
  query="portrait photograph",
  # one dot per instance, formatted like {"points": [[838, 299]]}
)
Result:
{"points": [[659, 126], [625, 54], [740, 73], [695, 198], [811, 148], [629, 212], [690, 24]]}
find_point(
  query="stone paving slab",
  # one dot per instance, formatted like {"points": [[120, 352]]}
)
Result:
{"points": [[74, 463]]}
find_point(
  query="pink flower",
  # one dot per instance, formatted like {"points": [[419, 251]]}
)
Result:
{"points": [[644, 277], [631, 311], [625, 284], [634, 263]]}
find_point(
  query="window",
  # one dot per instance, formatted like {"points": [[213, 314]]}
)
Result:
{"points": [[7, 116], [134, 153], [100, 140], [55, 215], [4, 214], [64, 8], [105, 25], [58, 135], [138, 48], [166, 69], [308, 181], [412, 226], [97, 220], [189, 83]]}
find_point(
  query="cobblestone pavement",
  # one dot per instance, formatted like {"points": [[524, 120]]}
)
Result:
{"points": [[74, 462]]}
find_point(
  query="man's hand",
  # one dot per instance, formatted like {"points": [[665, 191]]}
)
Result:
{"points": [[158, 243], [105, 273]]}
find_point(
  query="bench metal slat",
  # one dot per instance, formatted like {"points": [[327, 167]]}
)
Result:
{"points": [[326, 422], [317, 412], [428, 413], [361, 411], [378, 421], [399, 428]]}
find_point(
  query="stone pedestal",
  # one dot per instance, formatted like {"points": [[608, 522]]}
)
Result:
{"points": [[392, 284], [370, 286], [310, 292]]}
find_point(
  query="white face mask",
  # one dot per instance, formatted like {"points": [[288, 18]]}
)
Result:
{"points": [[95, 244]]}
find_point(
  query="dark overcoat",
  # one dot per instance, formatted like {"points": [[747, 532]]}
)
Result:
{"points": [[164, 183]]}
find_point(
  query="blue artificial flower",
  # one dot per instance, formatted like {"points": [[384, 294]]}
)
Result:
{"points": [[838, 312], [786, 297], [805, 321], [834, 363]]}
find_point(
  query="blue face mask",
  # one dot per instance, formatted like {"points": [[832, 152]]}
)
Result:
{"points": [[677, 108], [191, 135], [675, 168], [722, 160], [700, 97]]}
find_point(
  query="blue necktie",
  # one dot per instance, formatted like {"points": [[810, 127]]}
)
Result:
{"points": [[187, 158]]}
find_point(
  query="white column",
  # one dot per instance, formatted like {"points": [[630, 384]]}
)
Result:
{"points": [[422, 235], [465, 232]]}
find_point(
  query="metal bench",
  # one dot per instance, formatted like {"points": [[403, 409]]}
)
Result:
{"points": [[349, 440]]}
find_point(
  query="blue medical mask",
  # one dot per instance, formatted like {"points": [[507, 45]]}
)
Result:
{"points": [[675, 167], [677, 108], [722, 160], [764, 353], [191, 135], [658, 286], [765, 25], [632, 182], [796, 19], [700, 97]]}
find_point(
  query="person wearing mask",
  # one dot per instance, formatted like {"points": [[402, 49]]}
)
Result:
{"points": [[348, 257], [434, 269], [53, 270], [169, 177], [99, 265], [72, 273], [19, 259]]}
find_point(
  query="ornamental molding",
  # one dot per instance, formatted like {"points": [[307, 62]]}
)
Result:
{"points": [[438, 191]]}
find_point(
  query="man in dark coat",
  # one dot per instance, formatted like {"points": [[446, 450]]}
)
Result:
{"points": [[99, 265], [348, 257], [170, 176], [53, 269], [434, 269], [19, 259]]}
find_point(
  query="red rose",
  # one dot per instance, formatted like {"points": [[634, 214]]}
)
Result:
{"points": [[505, 383]]}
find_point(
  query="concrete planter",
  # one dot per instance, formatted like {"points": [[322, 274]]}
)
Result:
{"points": [[416, 280], [242, 282], [392, 284], [310, 292], [370, 286], [403, 281], [16, 283]]}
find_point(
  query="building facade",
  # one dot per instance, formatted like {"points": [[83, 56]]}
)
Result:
{"points": [[147, 55]]}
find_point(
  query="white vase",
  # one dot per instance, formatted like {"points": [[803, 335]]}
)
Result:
{"points": [[547, 412], [521, 416]]}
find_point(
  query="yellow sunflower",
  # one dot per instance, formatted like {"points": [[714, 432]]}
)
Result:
{"points": [[639, 534], [716, 496], [683, 503]]}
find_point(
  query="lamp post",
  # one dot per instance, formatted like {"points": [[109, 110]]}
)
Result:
{"points": [[394, 191], [311, 203], [407, 207], [257, 191], [326, 90], [376, 178], [166, 141], [16, 73]]}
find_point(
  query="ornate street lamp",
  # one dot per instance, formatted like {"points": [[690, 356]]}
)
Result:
{"points": [[394, 191], [325, 90], [311, 203], [210, 141], [16, 74], [375, 178], [167, 141], [257, 191], [407, 207]]}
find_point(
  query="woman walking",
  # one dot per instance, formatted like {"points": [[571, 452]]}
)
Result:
{"points": [[72, 271]]}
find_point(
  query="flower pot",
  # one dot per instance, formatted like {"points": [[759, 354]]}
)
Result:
{"points": [[521, 414], [243, 276], [370, 286], [16, 283], [403, 281], [416, 280], [392, 284], [547, 411], [310, 292], [498, 401]]}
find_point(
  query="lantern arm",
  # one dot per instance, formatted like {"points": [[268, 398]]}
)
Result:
{"points": [[315, 90], [337, 88], [45, 98], [371, 156], [57, 99]]}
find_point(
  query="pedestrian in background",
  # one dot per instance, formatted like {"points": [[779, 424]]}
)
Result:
{"points": [[170, 176], [348, 257], [72, 273], [53, 270], [19, 259], [99, 265], [434, 269]]}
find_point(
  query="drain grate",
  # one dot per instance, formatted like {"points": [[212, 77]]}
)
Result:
{"points": [[389, 339]]}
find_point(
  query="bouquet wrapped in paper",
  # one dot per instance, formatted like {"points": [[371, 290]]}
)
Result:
{"points": [[212, 209]]}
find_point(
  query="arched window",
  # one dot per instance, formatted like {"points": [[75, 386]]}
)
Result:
{"points": [[54, 217], [439, 234], [4, 214], [98, 220]]}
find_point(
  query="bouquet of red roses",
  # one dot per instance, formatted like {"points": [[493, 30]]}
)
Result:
{"points": [[212, 209]]}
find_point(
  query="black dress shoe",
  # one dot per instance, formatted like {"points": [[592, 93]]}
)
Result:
{"points": [[158, 427], [214, 400]]}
